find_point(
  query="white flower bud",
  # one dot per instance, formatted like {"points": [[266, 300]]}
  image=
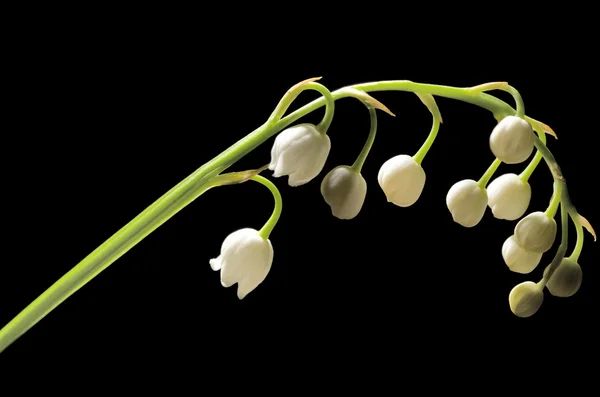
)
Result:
{"points": [[467, 202], [245, 259], [508, 197], [344, 190], [525, 299], [512, 140], [402, 180], [566, 279], [517, 259], [300, 152], [536, 232]]}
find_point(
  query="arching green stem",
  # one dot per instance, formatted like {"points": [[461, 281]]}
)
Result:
{"points": [[485, 178], [293, 93], [266, 230], [362, 156], [579, 244], [518, 99], [420, 155], [199, 181]]}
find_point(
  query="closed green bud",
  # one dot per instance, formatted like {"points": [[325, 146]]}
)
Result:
{"points": [[525, 299], [566, 279], [344, 190]]}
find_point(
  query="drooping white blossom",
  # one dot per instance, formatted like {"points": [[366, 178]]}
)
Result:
{"points": [[536, 232], [512, 140], [508, 197], [344, 190], [517, 259], [566, 279], [467, 202], [402, 180], [299, 152], [525, 299], [245, 259]]}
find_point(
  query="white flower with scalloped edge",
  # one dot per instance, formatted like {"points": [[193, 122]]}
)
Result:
{"points": [[512, 140], [402, 180], [300, 152], [508, 197], [245, 259], [467, 202]]}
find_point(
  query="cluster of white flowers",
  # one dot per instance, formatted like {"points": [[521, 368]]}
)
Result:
{"points": [[508, 197], [300, 152]]}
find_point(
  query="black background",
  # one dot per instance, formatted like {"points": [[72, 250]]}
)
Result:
{"points": [[112, 117]]}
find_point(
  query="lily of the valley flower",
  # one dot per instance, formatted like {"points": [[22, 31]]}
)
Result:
{"points": [[512, 140], [402, 180], [566, 279], [245, 259], [508, 197], [467, 202], [300, 152], [344, 190], [536, 232], [517, 259], [526, 299]]}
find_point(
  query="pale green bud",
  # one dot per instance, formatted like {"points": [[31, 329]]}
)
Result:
{"points": [[344, 190], [536, 232], [566, 279], [525, 299]]}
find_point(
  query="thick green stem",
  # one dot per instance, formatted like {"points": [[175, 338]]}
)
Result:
{"points": [[266, 230], [199, 181], [362, 156], [485, 178]]}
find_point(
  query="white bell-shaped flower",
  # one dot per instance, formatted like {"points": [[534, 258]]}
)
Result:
{"points": [[566, 279], [300, 152], [508, 197], [536, 232], [344, 190], [517, 259], [245, 259], [526, 299], [467, 202], [512, 140], [402, 180]]}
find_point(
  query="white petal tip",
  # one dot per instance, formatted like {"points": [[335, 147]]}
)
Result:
{"points": [[215, 264]]}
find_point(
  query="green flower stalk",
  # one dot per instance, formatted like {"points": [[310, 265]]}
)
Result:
{"points": [[211, 175]]}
